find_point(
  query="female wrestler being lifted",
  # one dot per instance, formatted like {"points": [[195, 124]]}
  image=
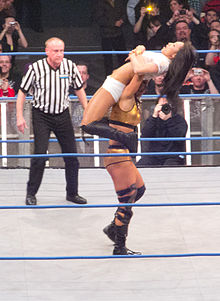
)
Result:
{"points": [[176, 58], [128, 182]]}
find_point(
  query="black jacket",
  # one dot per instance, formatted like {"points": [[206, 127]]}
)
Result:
{"points": [[175, 126], [106, 15]]}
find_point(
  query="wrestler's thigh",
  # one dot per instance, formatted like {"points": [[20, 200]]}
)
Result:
{"points": [[139, 179], [124, 174], [98, 106]]}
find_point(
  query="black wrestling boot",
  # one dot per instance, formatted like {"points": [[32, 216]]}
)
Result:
{"points": [[110, 231], [102, 129], [120, 239]]}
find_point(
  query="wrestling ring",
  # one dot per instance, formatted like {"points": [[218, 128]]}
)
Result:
{"points": [[57, 251]]}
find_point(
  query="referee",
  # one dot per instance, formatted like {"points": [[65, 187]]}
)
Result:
{"points": [[48, 80]]}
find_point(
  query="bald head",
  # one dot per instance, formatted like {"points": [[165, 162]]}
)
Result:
{"points": [[54, 48], [52, 41]]}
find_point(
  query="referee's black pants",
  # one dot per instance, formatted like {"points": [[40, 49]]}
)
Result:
{"points": [[61, 125]]}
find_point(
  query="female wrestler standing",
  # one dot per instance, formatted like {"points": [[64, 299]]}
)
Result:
{"points": [[127, 180], [176, 59]]}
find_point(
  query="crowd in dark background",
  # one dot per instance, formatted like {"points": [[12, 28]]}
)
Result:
{"points": [[120, 25]]}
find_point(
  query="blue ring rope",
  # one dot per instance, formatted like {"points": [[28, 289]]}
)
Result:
{"points": [[109, 154], [89, 206], [111, 205], [4, 99], [105, 139], [111, 256], [91, 52]]}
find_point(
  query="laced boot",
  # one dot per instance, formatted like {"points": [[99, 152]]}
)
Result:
{"points": [[120, 239], [110, 231], [102, 129]]}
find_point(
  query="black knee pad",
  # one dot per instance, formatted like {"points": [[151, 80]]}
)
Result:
{"points": [[140, 192], [128, 198], [127, 215], [124, 214]]}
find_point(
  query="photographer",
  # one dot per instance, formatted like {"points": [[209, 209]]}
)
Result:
{"points": [[163, 123], [181, 12], [141, 29], [12, 36], [201, 82]]}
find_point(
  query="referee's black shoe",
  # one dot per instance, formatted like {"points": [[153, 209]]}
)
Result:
{"points": [[31, 200], [76, 199]]}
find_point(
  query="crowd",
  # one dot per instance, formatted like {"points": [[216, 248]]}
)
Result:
{"points": [[178, 27]]}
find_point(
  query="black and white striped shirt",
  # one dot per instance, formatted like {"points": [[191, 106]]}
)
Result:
{"points": [[50, 87]]}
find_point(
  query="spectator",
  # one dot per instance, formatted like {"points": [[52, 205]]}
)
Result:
{"points": [[13, 77], [156, 84], [131, 4], [163, 123], [215, 75], [141, 27], [110, 16], [201, 84], [160, 37], [177, 5], [154, 87], [215, 24], [212, 58], [12, 36], [181, 12], [183, 33], [201, 30], [212, 4], [9, 9], [77, 110], [85, 75], [5, 89], [196, 5]]}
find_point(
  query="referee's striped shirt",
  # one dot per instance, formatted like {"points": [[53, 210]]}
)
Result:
{"points": [[50, 87]]}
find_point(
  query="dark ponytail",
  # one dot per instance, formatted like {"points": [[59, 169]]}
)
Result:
{"points": [[178, 69]]}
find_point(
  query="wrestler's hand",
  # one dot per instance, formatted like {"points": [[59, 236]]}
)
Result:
{"points": [[137, 51]]}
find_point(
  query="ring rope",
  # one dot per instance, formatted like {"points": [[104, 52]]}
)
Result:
{"points": [[105, 139], [111, 205], [92, 52], [111, 256], [109, 154], [4, 99]]}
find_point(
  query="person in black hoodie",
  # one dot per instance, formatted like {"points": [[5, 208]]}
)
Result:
{"points": [[163, 123]]}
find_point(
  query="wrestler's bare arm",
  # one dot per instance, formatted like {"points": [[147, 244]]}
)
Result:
{"points": [[140, 67], [133, 86], [124, 74], [127, 100]]}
